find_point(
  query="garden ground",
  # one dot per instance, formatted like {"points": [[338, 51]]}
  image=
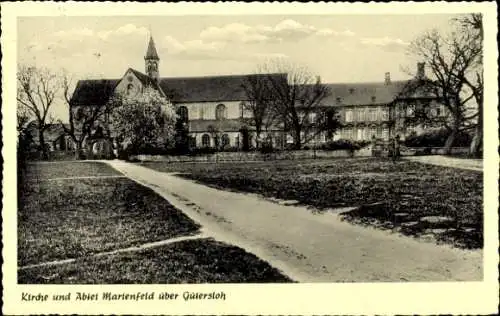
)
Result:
{"points": [[76, 216]]}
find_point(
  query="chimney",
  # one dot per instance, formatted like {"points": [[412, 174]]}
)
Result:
{"points": [[387, 78], [420, 70]]}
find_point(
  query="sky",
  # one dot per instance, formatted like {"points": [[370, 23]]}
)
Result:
{"points": [[338, 48]]}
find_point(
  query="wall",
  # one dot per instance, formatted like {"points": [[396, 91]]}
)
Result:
{"points": [[208, 109], [256, 156], [123, 84]]}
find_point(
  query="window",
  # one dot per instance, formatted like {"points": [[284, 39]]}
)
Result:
{"points": [[220, 112], [385, 133], [182, 112], [351, 90], [130, 89], [225, 141], [360, 134], [372, 132], [312, 118], [374, 98], [339, 100], [373, 115], [242, 109], [205, 140], [361, 115], [348, 116], [442, 110], [385, 114], [410, 110], [348, 133], [202, 113]]}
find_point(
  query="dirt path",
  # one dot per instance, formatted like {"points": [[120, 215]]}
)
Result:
{"points": [[308, 247], [468, 164]]}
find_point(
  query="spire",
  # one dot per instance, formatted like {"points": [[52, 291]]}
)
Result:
{"points": [[151, 52]]}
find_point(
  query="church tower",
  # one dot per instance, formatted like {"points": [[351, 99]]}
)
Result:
{"points": [[152, 60]]}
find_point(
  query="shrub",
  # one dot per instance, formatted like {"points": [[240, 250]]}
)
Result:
{"points": [[437, 138], [343, 144], [202, 151], [266, 148]]}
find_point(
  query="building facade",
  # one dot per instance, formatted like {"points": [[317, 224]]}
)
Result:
{"points": [[212, 107]]}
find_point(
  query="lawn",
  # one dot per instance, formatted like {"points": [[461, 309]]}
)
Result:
{"points": [[192, 261], [396, 196], [62, 218], [72, 218]]}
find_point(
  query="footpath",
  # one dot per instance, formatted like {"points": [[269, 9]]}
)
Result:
{"points": [[468, 164], [306, 246]]}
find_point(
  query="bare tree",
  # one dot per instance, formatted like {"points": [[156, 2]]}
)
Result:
{"points": [[36, 91], [297, 101], [472, 25], [23, 117], [258, 104], [454, 60], [83, 120]]}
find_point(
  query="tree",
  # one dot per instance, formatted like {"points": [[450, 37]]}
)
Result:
{"points": [[456, 68], [82, 119], [297, 101], [473, 26], [36, 92], [24, 138], [143, 123], [258, 103]]}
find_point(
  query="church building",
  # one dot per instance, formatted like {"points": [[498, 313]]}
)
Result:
{"points": [[213, 106]]}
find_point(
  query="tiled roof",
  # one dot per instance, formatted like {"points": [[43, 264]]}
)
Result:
{"points": [[230, 88], [212, 88], [93, 92], [342, 94], [362, 93]]}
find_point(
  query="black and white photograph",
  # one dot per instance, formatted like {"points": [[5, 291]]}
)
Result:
{"points": [[258, 149]]}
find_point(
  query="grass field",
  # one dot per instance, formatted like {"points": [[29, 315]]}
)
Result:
{"points": [[193, 261], [62, 218], [71, 218], [388, 195]]}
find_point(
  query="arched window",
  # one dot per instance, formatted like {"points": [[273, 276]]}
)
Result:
{"points": [[182, 112], [242, 109], [130, 88], [225, 141], [220, 112], [205, 140]]}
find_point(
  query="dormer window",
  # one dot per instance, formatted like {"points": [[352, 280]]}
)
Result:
{"points": [[339, 100], [374, 98], [351, 90]]}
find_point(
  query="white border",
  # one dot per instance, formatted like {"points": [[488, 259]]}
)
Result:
{"points": [[358, 298]]}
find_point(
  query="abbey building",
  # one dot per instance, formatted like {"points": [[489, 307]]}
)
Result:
{"points": [[216, 103]]}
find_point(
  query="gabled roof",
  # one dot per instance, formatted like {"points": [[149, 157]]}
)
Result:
{"points": [[209, 88], [345, 94], [151, 52], [93, 92], [146, 80], [342, 94]]}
